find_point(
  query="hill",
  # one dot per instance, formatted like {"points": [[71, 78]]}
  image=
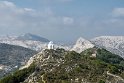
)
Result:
{"points": [[60, 66], [12, 57]]}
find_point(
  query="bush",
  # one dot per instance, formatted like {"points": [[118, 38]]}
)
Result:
{"points": [[72, 56], [108, 57], [113, 69], [101, 81]]}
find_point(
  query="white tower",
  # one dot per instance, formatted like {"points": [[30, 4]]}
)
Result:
{"points": [[50, 45]]}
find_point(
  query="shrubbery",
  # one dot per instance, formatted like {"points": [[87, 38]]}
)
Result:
{"points": [[75, 65], [19, 75]]}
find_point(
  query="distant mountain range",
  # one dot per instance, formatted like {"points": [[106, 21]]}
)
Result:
{"points": [[12, 57], [28, 40], [114, 44], [29, 36]]}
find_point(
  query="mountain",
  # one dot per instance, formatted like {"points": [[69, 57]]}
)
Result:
{"points": [[114, 44], [81, 45], [61, 66], [30, 41], [29, 36], [12, 57]]}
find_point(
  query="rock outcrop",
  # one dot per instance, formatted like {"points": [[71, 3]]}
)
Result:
{"points": [[81, 45]]}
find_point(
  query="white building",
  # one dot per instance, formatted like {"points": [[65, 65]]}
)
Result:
{"points": [[94, 55], [1, 67], [50, 45]]}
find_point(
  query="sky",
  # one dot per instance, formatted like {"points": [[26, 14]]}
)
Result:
{"points": [[62, 20]]}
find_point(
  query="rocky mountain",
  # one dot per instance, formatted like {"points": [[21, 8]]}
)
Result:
{"points": [[81, 45], [30, 41], [61, 66], [115, 44], [12, 57], [29, 36]]}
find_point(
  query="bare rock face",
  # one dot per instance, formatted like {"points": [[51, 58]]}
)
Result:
{"points": [[81, 45]]}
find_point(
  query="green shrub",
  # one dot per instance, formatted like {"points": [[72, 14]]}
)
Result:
{"points": [[19, 75], [101, 81]]}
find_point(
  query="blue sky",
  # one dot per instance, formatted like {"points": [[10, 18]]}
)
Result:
{"points": [[62, 20]]}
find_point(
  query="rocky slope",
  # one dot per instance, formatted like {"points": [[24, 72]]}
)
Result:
{"points": [[60, 66], [12, 57], [81, 45], [115, 44]]}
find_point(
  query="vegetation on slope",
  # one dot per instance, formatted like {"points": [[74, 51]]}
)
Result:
{"points": [[69, 66], [12, 57], [19, 75]]}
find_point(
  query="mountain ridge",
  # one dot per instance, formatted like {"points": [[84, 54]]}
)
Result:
{"points": [[114, 44], [29, 36], [28, 43], [12, 57]]}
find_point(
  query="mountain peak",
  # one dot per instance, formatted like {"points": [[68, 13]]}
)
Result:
{"points": [[80, 40], [29, 36], [81, 45]]}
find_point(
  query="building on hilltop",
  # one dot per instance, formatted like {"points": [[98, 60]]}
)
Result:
{"points": [[50, 45], [94, 54]]}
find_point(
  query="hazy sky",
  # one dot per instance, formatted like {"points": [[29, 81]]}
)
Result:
{"points": [[62, 20]]}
